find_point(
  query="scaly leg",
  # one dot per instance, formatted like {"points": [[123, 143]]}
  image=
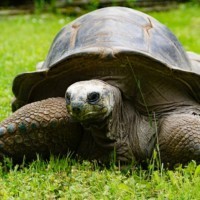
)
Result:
{"points": [[179, 139], [42, 127]]}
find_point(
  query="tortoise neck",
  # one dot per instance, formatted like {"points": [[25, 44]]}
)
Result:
{"points": [[117, 131]]}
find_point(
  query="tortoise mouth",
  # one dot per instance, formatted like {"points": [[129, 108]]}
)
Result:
{"points": [[93, 116], [90, 116]]}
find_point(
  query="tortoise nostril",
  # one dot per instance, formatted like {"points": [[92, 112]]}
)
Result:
{"points": [[76, 110], [76, 107]]}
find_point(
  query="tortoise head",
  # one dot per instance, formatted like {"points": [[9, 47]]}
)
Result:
{"points": [[90, 101]]}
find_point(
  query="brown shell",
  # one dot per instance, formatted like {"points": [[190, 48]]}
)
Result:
{"points": [[114, 44]]}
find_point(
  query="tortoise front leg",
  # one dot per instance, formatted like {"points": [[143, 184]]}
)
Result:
{"points": [[179, 139], [42, 127]]}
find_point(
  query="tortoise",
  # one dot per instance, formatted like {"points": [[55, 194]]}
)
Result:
{"points": [[116, 83]]}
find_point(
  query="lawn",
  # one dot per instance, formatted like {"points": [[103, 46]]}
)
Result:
{"points": [[25, 40]]}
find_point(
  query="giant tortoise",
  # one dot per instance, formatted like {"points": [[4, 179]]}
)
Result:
{"points": [[116, 82]]}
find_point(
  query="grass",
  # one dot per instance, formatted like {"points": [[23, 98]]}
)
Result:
{"points": [[24, 42], [67, 179]]}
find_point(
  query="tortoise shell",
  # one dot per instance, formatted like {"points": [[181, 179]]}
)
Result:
{"points": [[114, 44]]}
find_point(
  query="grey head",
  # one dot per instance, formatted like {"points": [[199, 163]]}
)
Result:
{"points": [[90, 101]]}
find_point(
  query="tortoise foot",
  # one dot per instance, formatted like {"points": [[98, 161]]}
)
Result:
{"points": [[179, 139], [41, 128]]}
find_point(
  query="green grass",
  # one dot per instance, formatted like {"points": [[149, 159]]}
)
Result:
{"points": [[67, 179], [24, 41]]}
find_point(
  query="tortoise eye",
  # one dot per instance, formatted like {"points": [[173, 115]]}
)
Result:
{"points": [[67, 98], [93, 97]]}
